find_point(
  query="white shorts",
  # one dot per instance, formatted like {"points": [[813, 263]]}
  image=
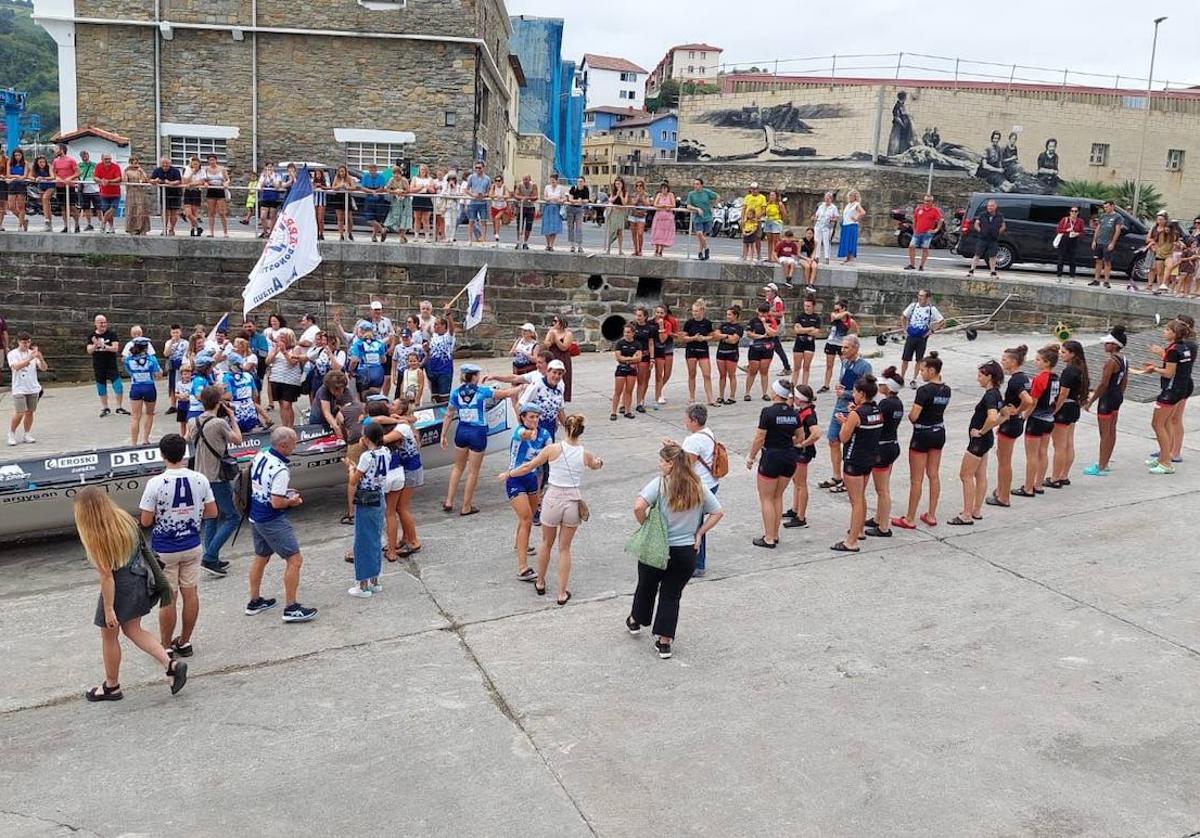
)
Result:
{"points": [[395, 480], [787, 260]]}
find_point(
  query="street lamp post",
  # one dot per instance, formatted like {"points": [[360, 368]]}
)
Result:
{"points": [[1137, 186]]}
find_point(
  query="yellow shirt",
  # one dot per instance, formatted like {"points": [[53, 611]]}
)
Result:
{"points": [[754, 203], [772, 213], [750, 226]]}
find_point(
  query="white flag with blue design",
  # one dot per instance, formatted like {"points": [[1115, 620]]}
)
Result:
{"points": [[291, 251], [475, 299]]}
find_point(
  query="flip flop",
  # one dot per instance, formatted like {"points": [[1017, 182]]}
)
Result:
{"points": [[347, 519], [447, 507], [841, 547], [565, 599], [405, 552], [528, 575], [928, 520], [957, 521], [903, 524], [472, 511], [178, 674], [828, 483]]}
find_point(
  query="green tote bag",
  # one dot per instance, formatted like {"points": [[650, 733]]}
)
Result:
{"points": [[649, 542]]}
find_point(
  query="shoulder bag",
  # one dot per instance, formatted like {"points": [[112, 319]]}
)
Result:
{"points": [[649, 541], [227, 468], [720, 459], [156, 581]]}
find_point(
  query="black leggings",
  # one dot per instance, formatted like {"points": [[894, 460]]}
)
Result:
{"points": [[667, 585], [1066, 253], [787, 362]]}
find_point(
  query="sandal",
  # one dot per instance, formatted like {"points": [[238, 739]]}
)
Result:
{"points": [[828, 483], [388, 555], [104, 693], [824, 389], [349, 557], [565, 599], [746, 398], [976, 517], [1021, 493], [838, 489], [1052, 484], [447, 507], [527, 575], [992, 500], [875, 532], [612, 417], [928, 520], [842, 547], [178, 674], [762, 542], [957, 521], [903, 524], [347, 519], [472, 511], [407, 551], [540, 591]]}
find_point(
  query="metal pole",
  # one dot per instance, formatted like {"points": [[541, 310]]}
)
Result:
{"points": [[929, 183], [1063, 95], [1011, 77], [1137, 183], [899, 61], [833, 67], [956, 74]]}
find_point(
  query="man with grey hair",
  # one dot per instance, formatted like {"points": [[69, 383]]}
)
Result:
{"points": [[270, 499], [854, 367], [700, 445], [824, 220]]}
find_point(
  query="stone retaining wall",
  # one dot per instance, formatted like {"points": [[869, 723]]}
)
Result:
{"points": [[53, 285]]}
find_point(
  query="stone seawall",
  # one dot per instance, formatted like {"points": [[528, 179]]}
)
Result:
{"points": [[53, 285]]}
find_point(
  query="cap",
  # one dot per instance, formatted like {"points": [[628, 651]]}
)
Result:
{"points": [[235, 360], [203, 359], [365, 326], [556, 365], [376, 305], [1112, 339], [406, 333], [754, 184], [528, 327], [470, 369], [771, 286]]}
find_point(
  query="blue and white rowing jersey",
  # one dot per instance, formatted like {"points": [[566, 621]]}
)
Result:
{"points": [[370, 355], [269, 476], [401, 352], [199, 382], [522, 451], [441, 354], [374, 468], [547, 399], [177, 498], [408, 450], [142, 369], [241, 387], [471, 406]]}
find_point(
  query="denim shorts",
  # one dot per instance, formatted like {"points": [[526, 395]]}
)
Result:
{"points": [[107, 204], [772, 226], [275, 537], [439, 382], [921, 241], [477, 211]]}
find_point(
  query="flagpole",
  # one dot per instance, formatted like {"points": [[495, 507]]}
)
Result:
{"points": [[462, 291]]}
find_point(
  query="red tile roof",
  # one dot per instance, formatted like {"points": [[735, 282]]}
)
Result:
{"points": [[89, 131], [698, 46], [618, 111], [610, 62]]}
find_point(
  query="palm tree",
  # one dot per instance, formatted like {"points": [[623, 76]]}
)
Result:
{"points": [[1093, 189], [1150, 202]]}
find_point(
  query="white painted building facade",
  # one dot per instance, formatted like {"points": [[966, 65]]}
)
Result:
{"points": [[606, 80]]}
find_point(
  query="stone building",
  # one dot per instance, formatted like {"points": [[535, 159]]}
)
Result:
{"points": [[1000, 137], [250, 80]]}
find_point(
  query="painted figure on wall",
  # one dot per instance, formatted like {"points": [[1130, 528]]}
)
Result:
{"points": [[1010, 165], [901, 137], [1047, 170], [991, 167]]}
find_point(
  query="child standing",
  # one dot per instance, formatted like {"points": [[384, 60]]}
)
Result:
{"points": [[369, 480], [183, 396]]}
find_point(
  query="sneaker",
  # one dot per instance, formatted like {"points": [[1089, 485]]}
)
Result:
{"points": [[179, 649], [104, 412], [1094, 283], [790, 513], [795, 523], [297, 613], [1094, 470], [217, 569], [377, 588], [1106, 285], [664, 649], [12, 439], [356, 591], [910, 267], [259, 605], [89, 228], [29, 438], [632, 625], [123, 411], [1159, 468]]}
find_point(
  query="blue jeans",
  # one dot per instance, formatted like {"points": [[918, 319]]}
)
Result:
{"points": [[702, 555], [218, 530]]}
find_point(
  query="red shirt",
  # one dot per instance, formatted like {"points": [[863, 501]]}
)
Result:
{"points": [[776, 311], [108, 171], [64, 167], [926, 219], [787, 247], [1067, 226]]}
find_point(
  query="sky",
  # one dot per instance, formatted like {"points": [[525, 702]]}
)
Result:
{"points": [[1102, 36]]}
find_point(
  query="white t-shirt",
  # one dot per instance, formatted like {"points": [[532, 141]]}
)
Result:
{"points": [[25, 380], [922, 317], [128, 350], [310, 335], [177, 498], [704, 447], [825, 214]]}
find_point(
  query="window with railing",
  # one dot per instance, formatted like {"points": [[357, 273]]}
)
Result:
{"points": [[183, 149], [1099, 154], [361, 155], [1175, 160]]}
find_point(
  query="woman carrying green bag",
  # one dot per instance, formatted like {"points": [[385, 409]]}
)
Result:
{"points": [[688, 512]]}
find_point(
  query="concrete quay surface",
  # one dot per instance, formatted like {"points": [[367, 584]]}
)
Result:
{"points": [[1035, 674]]}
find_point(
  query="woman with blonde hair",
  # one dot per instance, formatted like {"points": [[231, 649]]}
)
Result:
{"points": [[113, 544], [689, 511]]}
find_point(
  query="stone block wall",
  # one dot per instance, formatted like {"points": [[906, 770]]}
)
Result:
{"points": [[53, 287]]}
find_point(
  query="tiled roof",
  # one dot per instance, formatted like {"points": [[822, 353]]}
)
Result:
{"points": [[617, 111], [610, 62], [698, 46], [89, 131]]}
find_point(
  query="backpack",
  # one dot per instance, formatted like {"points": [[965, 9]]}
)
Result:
{"points": [[720, 459]]}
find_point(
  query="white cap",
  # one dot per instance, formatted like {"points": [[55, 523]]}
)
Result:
{"points": [[528, 327], [1111, 339], [754, 184], [376, 305], [771, 286], [556, 365]]}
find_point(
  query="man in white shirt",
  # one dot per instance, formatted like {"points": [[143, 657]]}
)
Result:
{"points": [[24, 361], [700, 445], [174, 505], [824, 220], [919, 321], [308, 337]]}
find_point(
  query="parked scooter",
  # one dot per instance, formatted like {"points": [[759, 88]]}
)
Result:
{"points": [[944, 238], [727, 218]]}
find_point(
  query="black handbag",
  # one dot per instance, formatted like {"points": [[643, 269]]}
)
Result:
{"points": [[367, 497], [228, 469]]}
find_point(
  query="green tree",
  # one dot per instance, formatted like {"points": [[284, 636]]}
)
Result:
{"points": [[667, 98], [1150, 202], [1093, 189], [29, 62]]}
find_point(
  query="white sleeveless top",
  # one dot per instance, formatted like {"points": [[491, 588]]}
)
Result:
{"points": [[566, 471]]}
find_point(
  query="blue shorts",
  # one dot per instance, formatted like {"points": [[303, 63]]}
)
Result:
{"points": [[439, 382], [834, 432], [107, 204], [248, 424], [517, 486], [102, 385], [472, 437], [477, 211], [275, 537], [143, 393], [181, 407], [921, 241], [702, 227]]}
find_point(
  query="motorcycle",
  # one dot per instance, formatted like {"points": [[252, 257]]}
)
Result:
{"points": [[944, 238]]}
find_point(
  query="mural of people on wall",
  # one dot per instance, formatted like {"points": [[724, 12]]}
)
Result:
{"points": [[1047, 170], [991, 167], [1011, 166], [901, 137]]}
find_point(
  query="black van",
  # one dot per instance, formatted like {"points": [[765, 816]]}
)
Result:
{"points": [[1031, 222]]}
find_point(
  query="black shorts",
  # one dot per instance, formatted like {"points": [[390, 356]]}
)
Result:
{"points": [[667, 348], [1068, 414], [927, 439], [696, 350], [804, 456], [985, 249], [89, 200], [214, 194], [1109, 403], [979, 446], [760, 354], [889, 452], [730, 355], [625, 371], [914, 348], [1036, 427], [1012, 427], [750, 238], [171, 199], [804, 345], [777, 462], [856, 469], [191, 197], [833, 348], [1171, 396], [285, 392]]}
